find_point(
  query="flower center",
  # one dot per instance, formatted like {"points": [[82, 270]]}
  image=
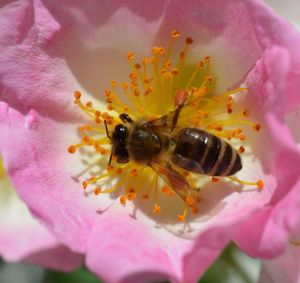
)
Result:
{"points": [[2, 169], [140, 137]]}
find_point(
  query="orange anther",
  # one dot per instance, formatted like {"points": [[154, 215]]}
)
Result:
{"points": [[214, 179], [97, 113], [72, 149], [246, 113], [124, 85], [109, 121], [175, 34], [131, 196], [229, 110], [119, 171], [98, 120], [113, 83], [84, 184], [134, 172], [241, 149], [162, 51], [145, 196], [77, 94], [97, 191], [87, 140], [199, 65], [148, 80], [260, 184], [137, 66], [110, 168], [209, 79], [243, 137], [155, 50], [207, 59], [181, 217], [130, 56], [189, 40], [131, 190], [156, 209], [165, 190], [123, 200], [190, 201], [257, 127], [89, 104], [219, 128], [136, 93], [175, 71]]}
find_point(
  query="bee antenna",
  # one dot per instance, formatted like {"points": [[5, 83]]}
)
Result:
{"points": [[110, 158], [106, 129]]}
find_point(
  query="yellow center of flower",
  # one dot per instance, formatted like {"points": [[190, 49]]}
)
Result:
{"points": [[157, 85], [2, 169]]}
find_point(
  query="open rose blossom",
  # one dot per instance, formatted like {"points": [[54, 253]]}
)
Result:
{"points": [[23, 238], [229, 68]]}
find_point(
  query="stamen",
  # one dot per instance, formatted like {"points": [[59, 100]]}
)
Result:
{"points": [[156, 209], [72, 149], [155, 86], [259, 183], [181, 217]]}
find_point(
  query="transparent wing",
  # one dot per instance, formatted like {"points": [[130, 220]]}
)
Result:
{"points": [[177, 181], [168, 121]]}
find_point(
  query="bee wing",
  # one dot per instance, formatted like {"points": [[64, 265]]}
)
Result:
{"points": [[168, 121], [177, 181]]}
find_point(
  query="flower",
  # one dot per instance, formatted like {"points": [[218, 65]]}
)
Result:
{"points": [[50, 52], [23, 238]]}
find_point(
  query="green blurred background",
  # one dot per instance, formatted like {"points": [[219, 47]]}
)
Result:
{"points": [[232, 266]]}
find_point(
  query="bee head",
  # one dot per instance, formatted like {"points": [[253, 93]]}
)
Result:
{"points": [[119, 141]]}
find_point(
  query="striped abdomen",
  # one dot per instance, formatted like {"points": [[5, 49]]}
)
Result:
{"points": [[204, 153]]}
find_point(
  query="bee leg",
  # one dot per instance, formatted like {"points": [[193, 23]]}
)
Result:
{"points": [[176, 115]]}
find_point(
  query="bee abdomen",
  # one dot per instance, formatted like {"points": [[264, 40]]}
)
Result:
{"points": [[227, 163], [201, 152]]}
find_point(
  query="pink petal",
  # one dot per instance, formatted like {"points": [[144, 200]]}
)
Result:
{"points": [[23, 238], [58, 257], [44, 173], [71, 54], [285, 268], [123, 250], [277, 32], [267, 81], [47, 52], [280, 218]]}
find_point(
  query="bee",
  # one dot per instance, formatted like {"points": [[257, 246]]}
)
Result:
{"points": [[159, 144]]}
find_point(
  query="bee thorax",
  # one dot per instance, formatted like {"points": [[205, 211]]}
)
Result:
{"points": [[144, 145]]}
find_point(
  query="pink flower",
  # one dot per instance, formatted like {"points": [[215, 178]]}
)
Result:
{"points": [[50, 51], [23, 238]]}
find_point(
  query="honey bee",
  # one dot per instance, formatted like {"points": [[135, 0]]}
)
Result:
{"points": [[159, 144]]}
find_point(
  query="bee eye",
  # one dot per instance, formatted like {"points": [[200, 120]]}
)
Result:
{"points": [[122, 156], [120, 132]]}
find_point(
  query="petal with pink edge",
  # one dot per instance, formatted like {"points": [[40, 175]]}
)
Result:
{"points": [[285, 268], [23, 238]]}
